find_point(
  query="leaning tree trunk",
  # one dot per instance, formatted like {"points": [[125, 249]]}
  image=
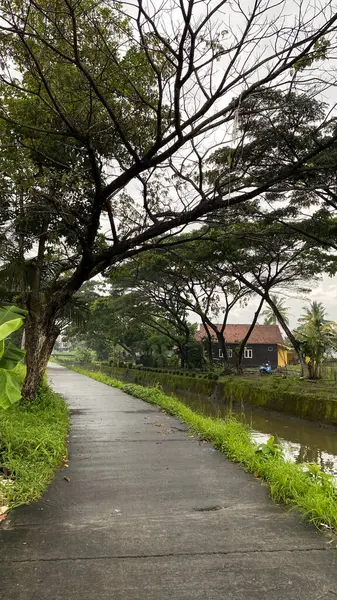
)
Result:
{"points": [[40, 337], [223, 348], [209, 343], [247, 336]]}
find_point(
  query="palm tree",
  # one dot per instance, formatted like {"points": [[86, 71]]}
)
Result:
{"points": [[269, 315], [318, 336], [315, 314]]}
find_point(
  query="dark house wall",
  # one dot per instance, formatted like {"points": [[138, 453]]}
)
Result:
{"points": [[261, 353]]}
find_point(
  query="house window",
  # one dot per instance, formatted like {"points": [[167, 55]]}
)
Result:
{"points": [[270, 348], [248, 353], [229, 353]]}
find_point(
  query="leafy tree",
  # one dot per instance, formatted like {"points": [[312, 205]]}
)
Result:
{"points": [[269, 314], [318, 336], [115, 329], [94, 98], [184, 277], [274, 130], [157, 298], [163, 312], [85, 355]]}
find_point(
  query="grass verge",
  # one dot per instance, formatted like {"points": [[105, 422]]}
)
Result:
{"points": [[32, 445], [312, 491]]}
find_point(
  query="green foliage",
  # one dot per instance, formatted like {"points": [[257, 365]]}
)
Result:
{"points": [[326, 481], [11, 319], [121, 327], [174, 380], [11, 357], [33, 444], [270, 448], [287, 482], [318, 337], [84, 355], [195, 355], [319, 52]]}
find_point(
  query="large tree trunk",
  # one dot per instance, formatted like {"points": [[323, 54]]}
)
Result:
{"points": [[223, 348], [186, 346], [41, 334], [247, 336], [182, 355], [209, 343]]}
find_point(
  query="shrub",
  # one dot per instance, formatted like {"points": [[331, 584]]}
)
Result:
{"points": [[84, 355]]}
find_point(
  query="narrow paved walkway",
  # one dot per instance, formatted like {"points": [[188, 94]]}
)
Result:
{"points": [[151, 513]]}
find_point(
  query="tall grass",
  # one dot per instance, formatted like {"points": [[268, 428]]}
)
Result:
{"points": [[316, 497], [32, 445]]}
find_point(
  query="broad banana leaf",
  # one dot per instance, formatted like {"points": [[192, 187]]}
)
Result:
{"points": [[11, 357], [11, 319], [10, 391]]}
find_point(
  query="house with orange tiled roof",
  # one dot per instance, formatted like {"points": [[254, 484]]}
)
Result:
{"points": [[265, 343]]}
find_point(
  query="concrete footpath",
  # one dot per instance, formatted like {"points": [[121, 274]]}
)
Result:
{"points": [[151, 513]]}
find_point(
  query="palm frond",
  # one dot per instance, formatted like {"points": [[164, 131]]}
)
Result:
{"points": [[76, 312]]}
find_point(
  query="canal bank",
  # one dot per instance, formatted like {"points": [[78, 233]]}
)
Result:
{"points": [[314, 401]]}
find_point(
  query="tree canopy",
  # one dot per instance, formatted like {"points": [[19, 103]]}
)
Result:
{"points": [[109, 113]]}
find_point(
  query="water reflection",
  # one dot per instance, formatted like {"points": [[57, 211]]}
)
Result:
{"points": [[301, 440]]}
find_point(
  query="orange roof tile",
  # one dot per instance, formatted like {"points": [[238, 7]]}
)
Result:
{"points": [[261, 334]]}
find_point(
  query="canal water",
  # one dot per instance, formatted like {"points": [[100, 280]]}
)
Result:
{"points": [[302, 441]]}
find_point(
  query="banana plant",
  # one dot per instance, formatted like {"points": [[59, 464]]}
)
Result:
{"points": [[11, 319]]}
